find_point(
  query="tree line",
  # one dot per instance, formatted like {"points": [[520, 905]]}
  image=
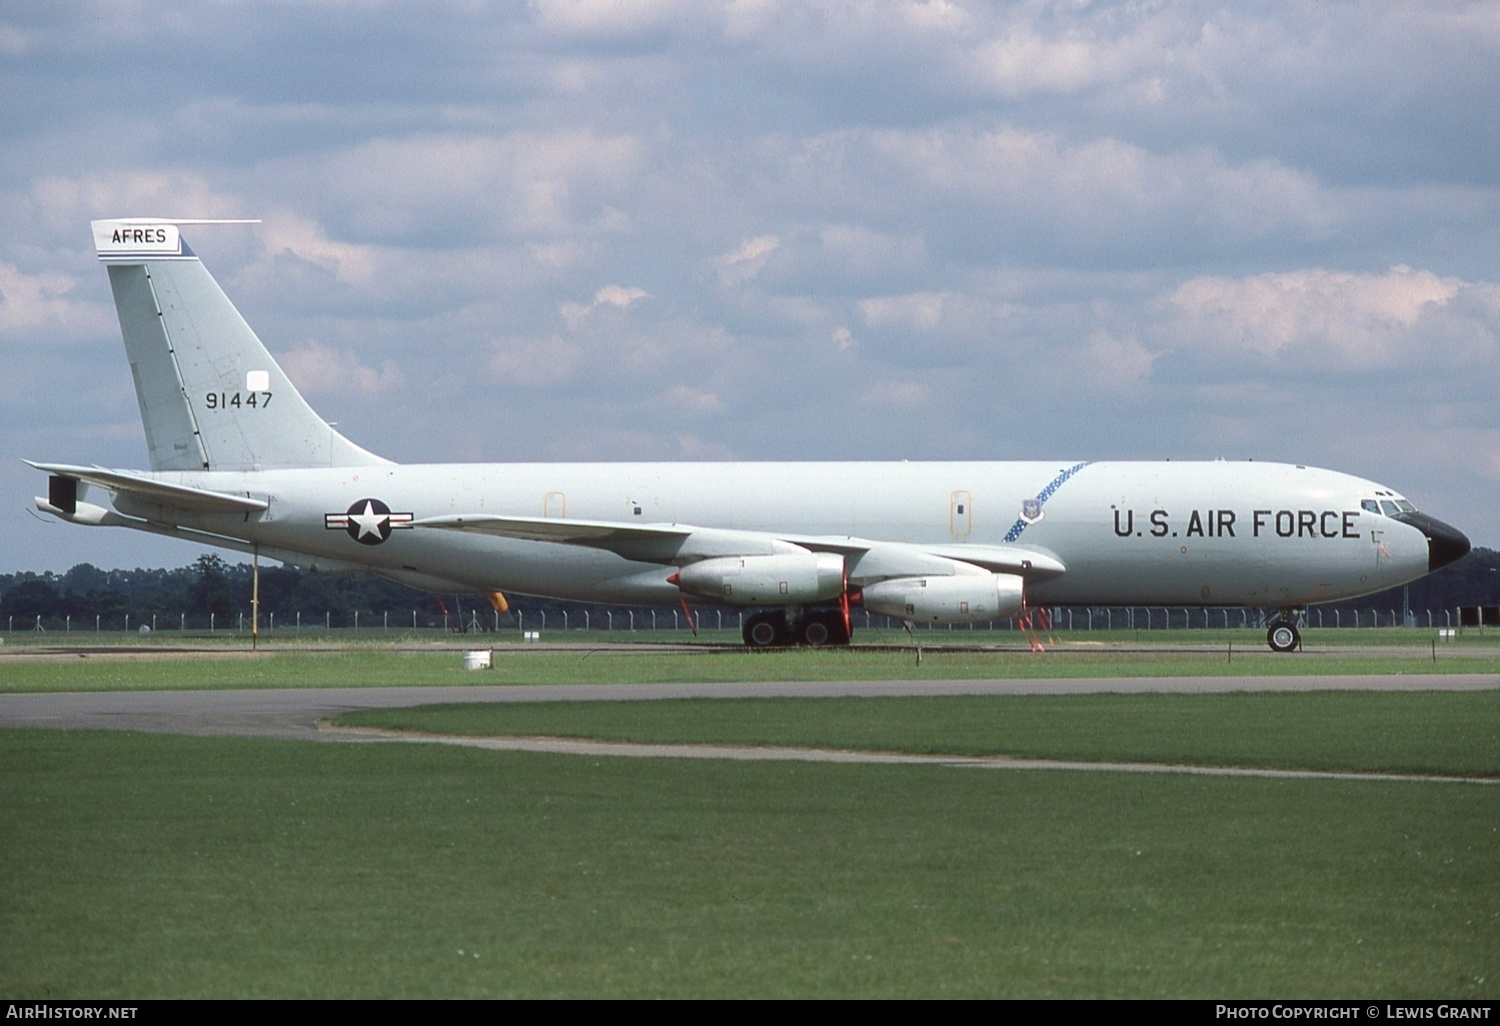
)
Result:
{"points": [[213, 590]]}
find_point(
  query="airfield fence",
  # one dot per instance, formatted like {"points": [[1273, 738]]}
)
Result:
{"points": [[656, 621]]}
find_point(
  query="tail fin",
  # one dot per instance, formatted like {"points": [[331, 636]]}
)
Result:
{"points": [[211, 396]]}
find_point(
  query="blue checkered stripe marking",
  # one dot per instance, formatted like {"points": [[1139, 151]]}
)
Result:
{"points": [[1042, 497]]}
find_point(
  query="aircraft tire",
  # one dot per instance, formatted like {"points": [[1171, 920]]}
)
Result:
{"points": [[765, 630], [822, 629], [1283, 636], [815, 633]]}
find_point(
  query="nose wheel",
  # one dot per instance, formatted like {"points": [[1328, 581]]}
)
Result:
{"points": [[1283, 636]]}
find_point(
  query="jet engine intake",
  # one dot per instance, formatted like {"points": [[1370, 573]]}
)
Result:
{"points": [[965, 599], [792, 578]]}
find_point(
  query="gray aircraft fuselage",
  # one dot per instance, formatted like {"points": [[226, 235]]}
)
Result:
{"points": [[1146, 533]]}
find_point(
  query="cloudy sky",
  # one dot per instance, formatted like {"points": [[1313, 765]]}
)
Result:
{"points": [[811, 229]]}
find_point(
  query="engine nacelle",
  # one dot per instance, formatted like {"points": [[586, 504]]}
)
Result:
{"points": [[966, 599], [792, 578]]}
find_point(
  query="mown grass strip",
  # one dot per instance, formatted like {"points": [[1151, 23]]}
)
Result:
{"points": [[1448, 733], [381, 666]]}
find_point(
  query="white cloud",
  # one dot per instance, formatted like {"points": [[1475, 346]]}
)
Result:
{"points": [[14, 41], [745, 263], [1104, 186], [535, 363], [322, 370], [934, 15], [606, 437], [618, 297], [1109, 363], [286, 233], [33, 305], [858, 251], [610, 19], [919, 311], [535, 184], [66, 203], [1345, 319], [1022, 61], [904, 394], [691, 446], [691, 401]]}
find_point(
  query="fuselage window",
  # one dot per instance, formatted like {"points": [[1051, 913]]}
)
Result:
{"points": [[1369, 505]]}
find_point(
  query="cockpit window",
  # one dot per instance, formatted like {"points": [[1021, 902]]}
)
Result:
{"points": [[1388, 507]]}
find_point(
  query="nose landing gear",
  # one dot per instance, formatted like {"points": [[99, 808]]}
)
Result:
{"points": [[1282, 634]]}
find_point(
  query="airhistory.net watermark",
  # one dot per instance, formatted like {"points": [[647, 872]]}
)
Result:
{"points": [[54, 1010]]}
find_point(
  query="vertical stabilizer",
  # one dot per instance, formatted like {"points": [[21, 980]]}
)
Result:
{"points": [[211, 396]]}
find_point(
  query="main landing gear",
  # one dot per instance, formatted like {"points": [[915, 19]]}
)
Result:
{"points": [[1282, 633], [815, 628]]}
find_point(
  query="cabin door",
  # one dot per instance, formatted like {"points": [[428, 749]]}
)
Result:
{"points": [[960, 514]]}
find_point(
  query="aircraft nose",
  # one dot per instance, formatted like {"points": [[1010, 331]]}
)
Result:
{"points": [[1444, 544]]}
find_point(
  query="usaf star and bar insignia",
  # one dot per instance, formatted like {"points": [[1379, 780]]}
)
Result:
{"points": [[368, 521]]}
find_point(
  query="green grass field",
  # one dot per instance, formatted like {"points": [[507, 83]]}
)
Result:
{"points": [[141, 866], [152, 866]]}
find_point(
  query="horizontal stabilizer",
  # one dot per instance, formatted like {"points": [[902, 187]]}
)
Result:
{"points": [[196, 500]]}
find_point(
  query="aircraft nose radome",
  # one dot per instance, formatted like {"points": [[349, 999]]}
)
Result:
{"points": [[1444, 544]]}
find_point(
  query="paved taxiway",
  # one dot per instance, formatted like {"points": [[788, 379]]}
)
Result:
{"points": [[298, 713]]}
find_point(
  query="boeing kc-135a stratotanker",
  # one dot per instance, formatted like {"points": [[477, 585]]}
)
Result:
{"points": [[239, 460]]}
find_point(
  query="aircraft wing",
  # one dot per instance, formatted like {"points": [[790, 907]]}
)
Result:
{"points": [[652, 543], [601, 534], [197, 500], [1001, 559], [683, 543], [1005, 559]]}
